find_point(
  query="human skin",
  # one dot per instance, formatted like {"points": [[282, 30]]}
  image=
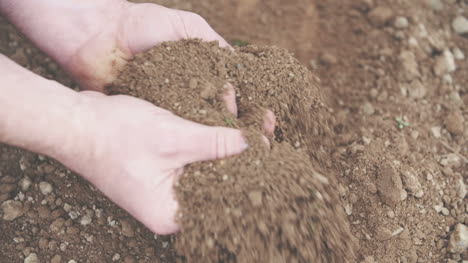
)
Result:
{"points": [[131, 150]]}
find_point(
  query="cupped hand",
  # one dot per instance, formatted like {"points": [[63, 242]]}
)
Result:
{"points": [[135, 152]]}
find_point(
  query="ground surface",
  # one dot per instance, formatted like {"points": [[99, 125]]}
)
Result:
{"points": [[400, 104]]}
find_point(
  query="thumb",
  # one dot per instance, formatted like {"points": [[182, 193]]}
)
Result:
{"points": [[210, 143], [197, 27]]}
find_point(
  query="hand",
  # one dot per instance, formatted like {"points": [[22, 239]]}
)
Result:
{"points": [[92, 39], [137, 151]]}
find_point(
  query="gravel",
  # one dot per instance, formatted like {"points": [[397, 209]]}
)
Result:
{"points": [[380, 16], [46, 188], [401, 22], [460, 25], [458, 242], [32, 258], [445, 63], [12, 210]]}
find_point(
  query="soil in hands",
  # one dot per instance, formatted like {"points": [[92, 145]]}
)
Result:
{"points": [[268, 204]]}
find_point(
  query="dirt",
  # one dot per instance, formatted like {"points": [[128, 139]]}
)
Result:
{"points": [[268, 205], [398, 109]]}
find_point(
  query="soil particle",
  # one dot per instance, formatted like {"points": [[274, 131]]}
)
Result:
{"points": [[458, 242], [412, 184], [274, 204], [12, 210], [460, 25], [455, 123], [380, 16], [445, 63], [389, 185], [45, 187], [32, 258], [127, 229]]}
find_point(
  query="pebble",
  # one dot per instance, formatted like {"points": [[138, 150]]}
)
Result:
{"points": [[417, 90], [25, 183], [401, 22], [328, 59], [458, 242], [445, 211], [389, 185], [412, 184], [454, 123], [458, 54], [127, 229], [116, 257], [409, 64], [56, 259], [460, 25], [445, 63], [436, 5], [86, 220], [380, 16], [461, 188], [32, 258], [436, 131], [12, 210], [367, 108], [46, 188]]}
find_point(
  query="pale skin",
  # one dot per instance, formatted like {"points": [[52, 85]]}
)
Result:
{"points": [[130, 149]]}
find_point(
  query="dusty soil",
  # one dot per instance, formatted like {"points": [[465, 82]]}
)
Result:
{"points": [[397, 87], [262, 205]]}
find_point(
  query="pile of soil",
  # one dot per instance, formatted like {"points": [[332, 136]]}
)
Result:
{"points": [[264, 204]]}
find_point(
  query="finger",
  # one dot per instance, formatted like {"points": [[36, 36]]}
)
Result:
{"points": [[202, 143], [269, 122], [230, 99]]}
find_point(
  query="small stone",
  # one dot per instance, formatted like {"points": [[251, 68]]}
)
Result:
{"points": [[412, 184], [436, 132], [383, 234], [460, 25], [12, 210], [256, 198], [127, 229], [56, 259], [401, 22], [436, 5], [46, 188], [458, 242], [380, 16], [32, 258], [25, 183], [445, 211], [328, 59], [57, 225], [391, 214], [445, 63], [116, 257], [458, 54], [409, 65], [367, 108], [461, 188], [454, 123], [389, 185], [67, 207], [86, 220], [416, 90]]}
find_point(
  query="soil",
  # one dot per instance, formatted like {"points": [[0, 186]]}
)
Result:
{"points": [[398, 114], [268, 205]]}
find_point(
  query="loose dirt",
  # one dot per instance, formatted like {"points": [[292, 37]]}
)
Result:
{"points": [[261, 205], [394, 76]]}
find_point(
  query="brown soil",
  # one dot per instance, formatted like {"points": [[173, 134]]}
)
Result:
{"points": [[372, 71], [260, 205]]}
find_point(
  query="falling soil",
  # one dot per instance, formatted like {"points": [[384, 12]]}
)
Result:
{"points": [[266, 205]]}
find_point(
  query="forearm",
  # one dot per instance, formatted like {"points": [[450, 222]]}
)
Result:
{"points": [[38, 114]]}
